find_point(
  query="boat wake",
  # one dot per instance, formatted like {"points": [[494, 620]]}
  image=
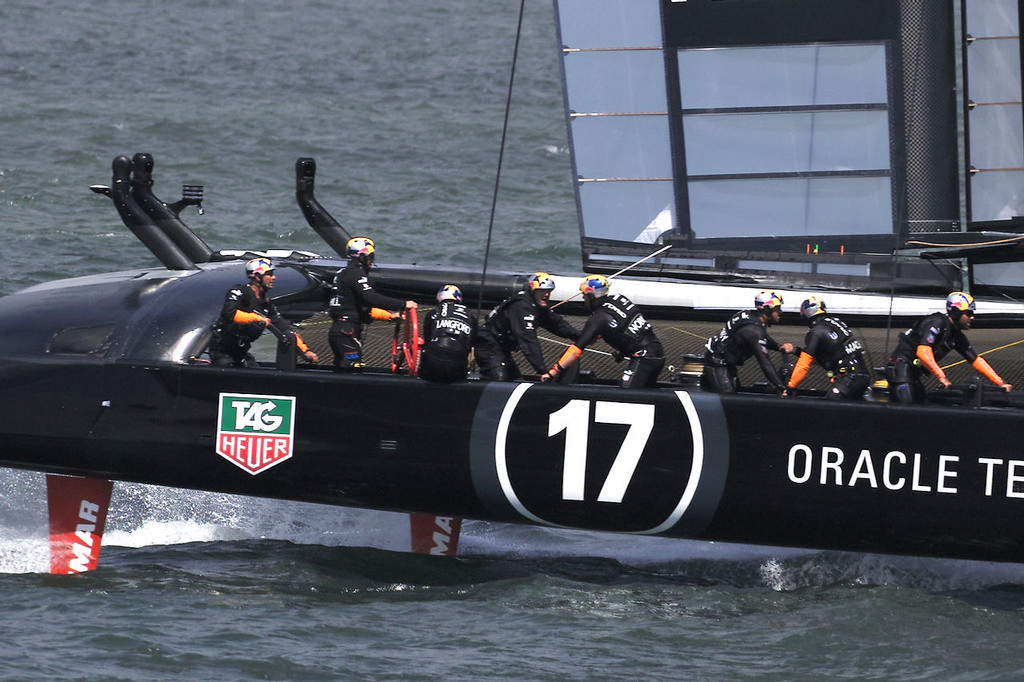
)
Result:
{"points": [[170, 526]]}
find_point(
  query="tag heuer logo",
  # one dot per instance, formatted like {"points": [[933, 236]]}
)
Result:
{"points": [[255, 432]]}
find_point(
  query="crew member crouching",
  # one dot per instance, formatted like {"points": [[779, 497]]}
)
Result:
{"points": [[449, 333], [620, 323], [830, 342]]}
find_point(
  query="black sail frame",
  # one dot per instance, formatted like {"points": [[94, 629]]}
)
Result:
{"points": [[834, 180]]}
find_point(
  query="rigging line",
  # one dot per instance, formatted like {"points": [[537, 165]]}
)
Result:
{"points": [[559, 342], [501, 154], [686, 331], [990, 350], [625, 269], [994, 242]]}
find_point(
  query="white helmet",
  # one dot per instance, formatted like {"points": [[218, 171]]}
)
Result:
{"points": [[257, 267], [768, 300], [359, 246], [958, 303]]}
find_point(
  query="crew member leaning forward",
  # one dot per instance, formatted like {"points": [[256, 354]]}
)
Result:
{"points": [[512, 325], [831, 344], [744, 335], [922, 346], [620, 323]]}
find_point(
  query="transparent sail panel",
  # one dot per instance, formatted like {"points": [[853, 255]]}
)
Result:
{"points": [[622, 147], [994, 123], [618, 115], [990, 17], [782, 76], [998, 195], [790, 207], [996, 140], [623, 81], [787, 142], [587, 24], [636, 211], [816, 115]]}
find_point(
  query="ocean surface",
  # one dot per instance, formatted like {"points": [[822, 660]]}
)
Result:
{"points": [[402, 106]]}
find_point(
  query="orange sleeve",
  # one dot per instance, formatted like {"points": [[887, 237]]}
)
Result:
{"points": [[380, 314], [981, 364], [927, 358], [571, 355], [300, 344], [243, 317], [803, 364]]}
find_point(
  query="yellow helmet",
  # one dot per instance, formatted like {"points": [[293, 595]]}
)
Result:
{"points": [[540, 280], [812, 305], [594, 285]]}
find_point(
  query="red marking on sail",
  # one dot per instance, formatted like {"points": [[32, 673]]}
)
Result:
{"points": [[434, 534], [78, 514]]}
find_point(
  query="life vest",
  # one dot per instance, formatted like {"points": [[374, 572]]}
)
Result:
{"points": [[723, 347], [628, 330]]}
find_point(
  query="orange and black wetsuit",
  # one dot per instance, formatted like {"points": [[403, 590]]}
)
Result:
{"points": [[831, 344], [920, 349], [354, 304], [241, 323], [623, 326]]}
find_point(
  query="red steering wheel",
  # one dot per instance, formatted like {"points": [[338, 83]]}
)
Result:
{"points": [[405, 347]]}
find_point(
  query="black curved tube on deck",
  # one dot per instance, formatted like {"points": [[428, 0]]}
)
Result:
{"points": [[163, 215], [316, 215], [141, 225]]}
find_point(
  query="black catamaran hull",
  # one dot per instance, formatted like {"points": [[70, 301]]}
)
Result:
{"points": [[868, 477]]}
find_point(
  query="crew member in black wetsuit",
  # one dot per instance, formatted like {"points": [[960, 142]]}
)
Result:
{"points": [[920, 348], [246, 313], [831, 344], [744, 335], [355, 303], [620, 323], [449, 332], [513, 325]]}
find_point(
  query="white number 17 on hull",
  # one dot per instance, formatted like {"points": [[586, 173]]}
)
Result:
{"points": [[574, 420]]}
